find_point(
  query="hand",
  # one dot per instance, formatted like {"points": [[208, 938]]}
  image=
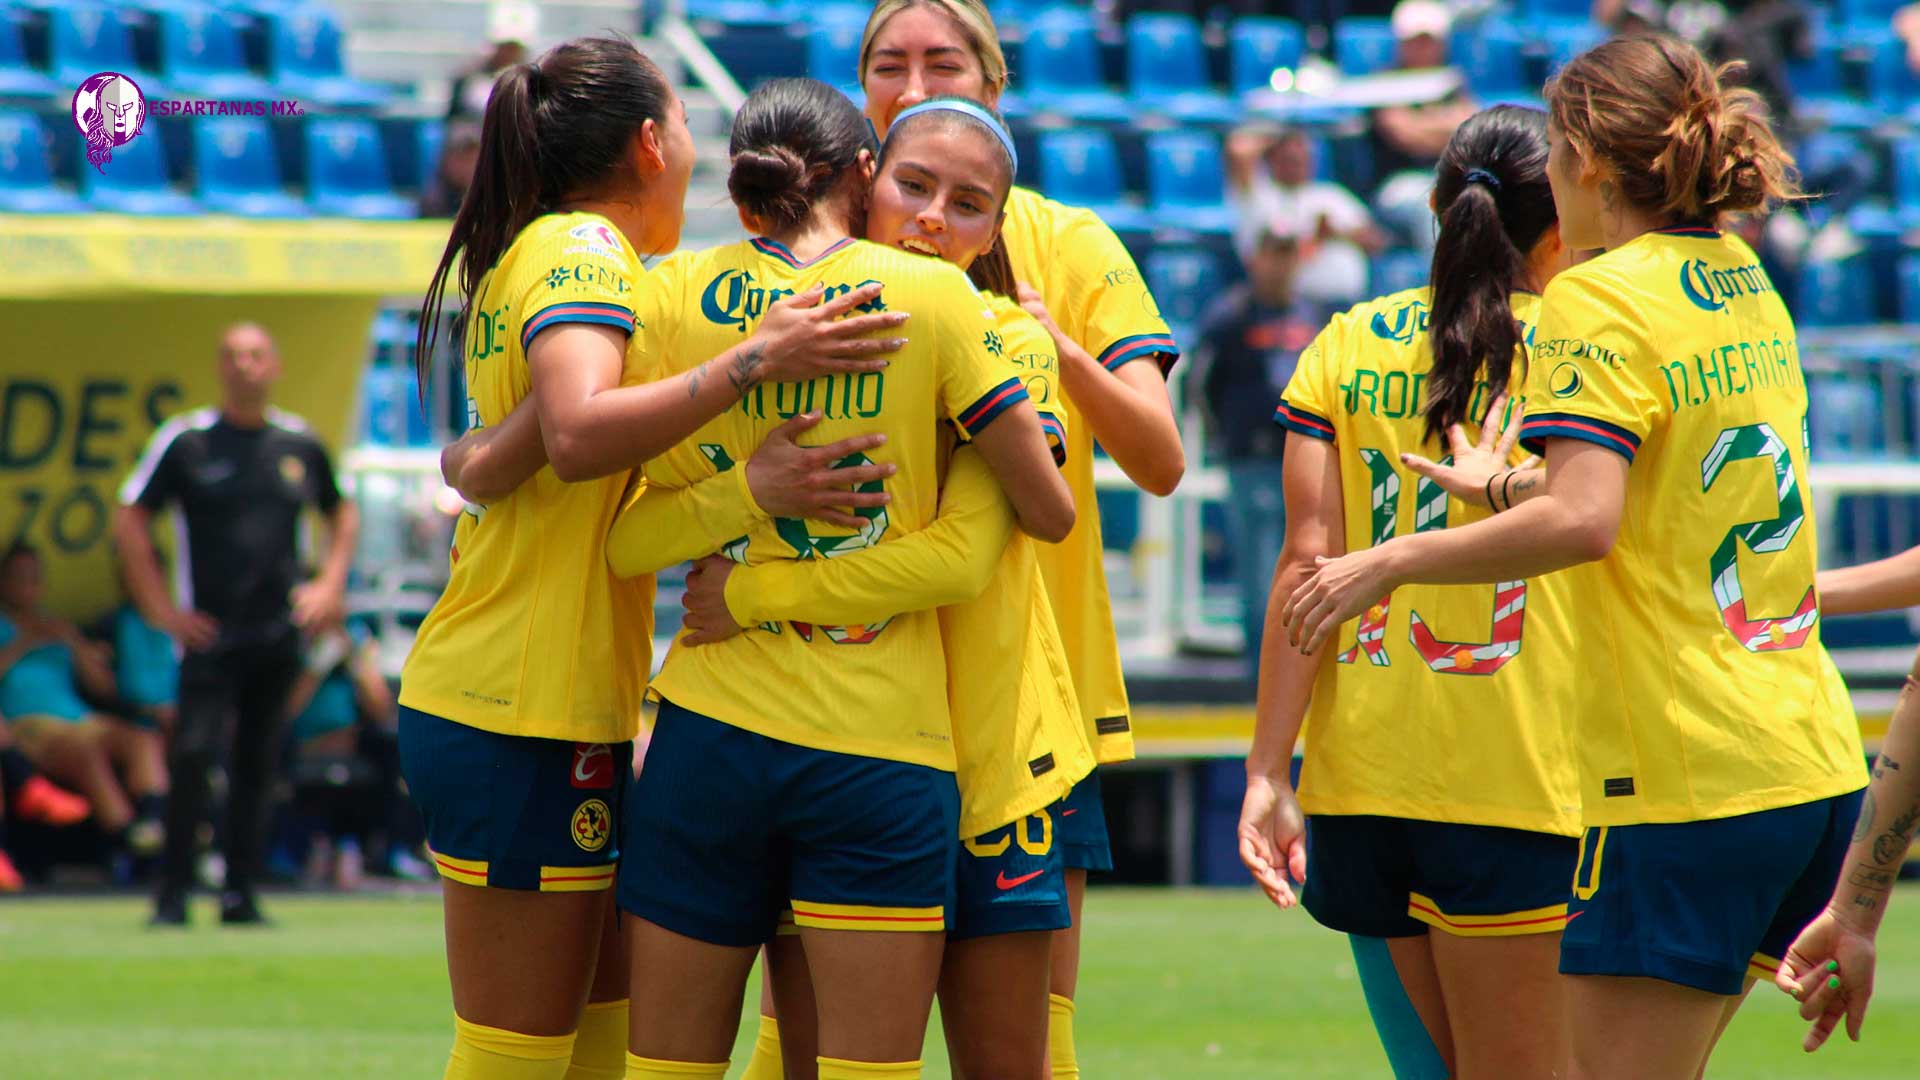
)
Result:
{"points": [[1829, 950], [1273, 838], [196, 631], [802, 338], [794, 481], [1474, 464], [1338, 590], [318, 603], [707, 619], [453, 460]]}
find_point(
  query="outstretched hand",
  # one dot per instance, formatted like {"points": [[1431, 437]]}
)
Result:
{"points": [[1474, 463]]}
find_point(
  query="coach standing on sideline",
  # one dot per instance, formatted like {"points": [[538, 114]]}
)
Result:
{"points": [[237, 479]]}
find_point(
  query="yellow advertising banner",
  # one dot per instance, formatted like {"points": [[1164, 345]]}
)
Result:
{"points": [[114, 325]]}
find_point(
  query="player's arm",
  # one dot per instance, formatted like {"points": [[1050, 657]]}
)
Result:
{"points": [[661, 526], [1015, 447], [1830, 967], [488, 463], [1573, 521], [1272, 830], [1479, 474], [371, 691], [1126, 408], [950, 561], [591, 426], [1892, 582]]}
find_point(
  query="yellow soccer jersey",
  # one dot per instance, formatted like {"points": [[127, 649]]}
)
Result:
{"points": [[875, 689], [1096, 296], [1675, 352], [533, 636], [1018, 737], [1450, 702]]}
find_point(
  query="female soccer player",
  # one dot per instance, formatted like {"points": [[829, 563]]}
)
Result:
{"points": [[1084, 287], [944, 175], [1720, 762], [806, 764], [1449, 869], [529, 669]]}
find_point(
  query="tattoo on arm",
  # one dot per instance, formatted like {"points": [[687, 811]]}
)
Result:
{"points": [[1891, 846], [1864, 826], [697, 378], [745, 374], [1524, 483]]}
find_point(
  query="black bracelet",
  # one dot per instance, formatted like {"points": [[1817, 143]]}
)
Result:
{"points": [[1506, 489], [1490, 504]]}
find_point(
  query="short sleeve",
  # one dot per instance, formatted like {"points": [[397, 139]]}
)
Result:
{"points": [[1587, 376], [650, 351], [583, 274], [1306, 405], [326, 486], [977, 380], [155, 479], [1106, 305], [1036, 363]]}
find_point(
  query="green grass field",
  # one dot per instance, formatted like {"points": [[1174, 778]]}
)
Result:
{"points": [[1187, 984]]}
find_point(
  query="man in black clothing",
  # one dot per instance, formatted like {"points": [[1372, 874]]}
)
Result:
{"points": [[235, 481], [1250, 341]]}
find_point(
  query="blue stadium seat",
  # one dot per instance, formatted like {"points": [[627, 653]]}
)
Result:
{"points": [[1060, 69], [136, 181], [18, 78], [1872, 15], [1259, 44], [1186, 181], [26, 176], [85, 38], [1835, 293], [1490, 53], [1558, 10], [1844, 416], [236, 170], [429, 141], [1363, 45], [303, 56], [1081, 167], [1395, 270], [1909, 313], [1820, 88], [833, 55], [1906, 173], [1167, 70], [1564, 42], [1185, 282], [201, 53], [741, 12], [347, 171], [1891, 84]]}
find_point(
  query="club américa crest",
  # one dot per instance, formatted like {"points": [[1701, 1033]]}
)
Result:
{"points": [[109, 110]]}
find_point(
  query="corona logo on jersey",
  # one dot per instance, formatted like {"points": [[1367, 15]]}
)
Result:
{"points": [[1709, 290], [1402, 322], [592, 825], [109, 110], [733, 299]]}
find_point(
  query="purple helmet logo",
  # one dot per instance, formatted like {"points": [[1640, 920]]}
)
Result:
{"points": [[109, 110]]}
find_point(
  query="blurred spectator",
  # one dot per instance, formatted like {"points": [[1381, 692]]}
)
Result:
{"points": [[454, 174], [25, 795], [43, 664], [242, 476], [145, 667], [1271, 184], [509, 27], [1250, 341], [341, 704], [1407, 139], [1764, 33], [1906, 24]]}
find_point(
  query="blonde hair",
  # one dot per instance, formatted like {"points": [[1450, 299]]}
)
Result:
{"points": [[1682, 141], [970, 16]]}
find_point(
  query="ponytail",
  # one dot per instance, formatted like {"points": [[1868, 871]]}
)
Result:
{"points": [[1494, 203]]}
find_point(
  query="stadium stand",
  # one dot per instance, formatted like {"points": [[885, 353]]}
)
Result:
{"points": [[26, 175], [236, 170]]}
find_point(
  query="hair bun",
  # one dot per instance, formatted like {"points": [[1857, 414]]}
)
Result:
{"points": [[770, 182]]}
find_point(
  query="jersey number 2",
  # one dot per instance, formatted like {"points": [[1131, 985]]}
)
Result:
{"points": [[1763, 634]]}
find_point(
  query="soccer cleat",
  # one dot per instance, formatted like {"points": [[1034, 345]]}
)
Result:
{"points": [[39, 799], [239, 909], [145, 837], [10, 880], [169, 910]]}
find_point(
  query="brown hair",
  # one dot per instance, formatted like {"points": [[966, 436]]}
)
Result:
{"points": [[970, 16], [1682, 141], [792, 141]]}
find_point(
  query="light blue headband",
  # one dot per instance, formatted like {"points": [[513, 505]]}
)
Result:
{"points": [[967, 108]]}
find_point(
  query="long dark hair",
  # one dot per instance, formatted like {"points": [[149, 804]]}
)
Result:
{"points": [[554, 128], [792, 141], [992, 269], [1491, 193]]}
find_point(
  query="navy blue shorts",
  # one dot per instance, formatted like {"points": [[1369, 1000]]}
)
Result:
{"points": [[1083, 827], [727, 828], [1705, 904], [1397, 877], [511, 812], [1012, 879]]}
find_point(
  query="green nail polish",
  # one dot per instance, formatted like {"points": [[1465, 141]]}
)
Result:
{"points": [[1833, 983], [1833, 965]]}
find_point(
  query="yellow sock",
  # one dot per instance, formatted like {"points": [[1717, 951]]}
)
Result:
{"points": [[639, 1068], [1060, 1038], [488, 1053], [600, 1046], [839, 1069], [766, 1063]]}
